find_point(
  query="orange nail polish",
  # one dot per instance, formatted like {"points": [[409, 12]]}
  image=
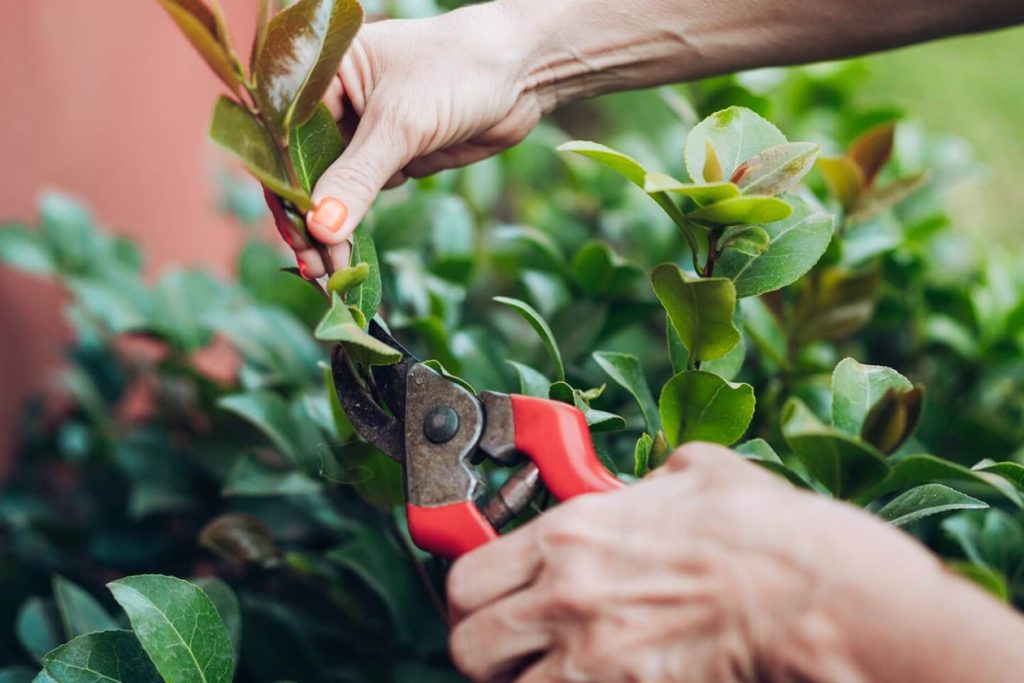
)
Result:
{"points": [[329, 214]]}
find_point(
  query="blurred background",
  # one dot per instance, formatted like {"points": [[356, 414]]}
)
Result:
{"points": [[108, 103]]}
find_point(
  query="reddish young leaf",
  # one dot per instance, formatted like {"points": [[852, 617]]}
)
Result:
{"points": [[776, 169], [303, 47], [207, 34], [872, 150]]}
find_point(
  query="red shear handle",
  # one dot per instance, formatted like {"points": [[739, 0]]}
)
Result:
{"points": [[449, 530], [555, 437]]}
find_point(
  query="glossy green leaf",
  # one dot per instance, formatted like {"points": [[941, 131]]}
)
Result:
{"points": [[856, 388], [540, 326], [201, 29], [348, 278], [101, 657], [1011, 471], [301, 53], [531, 382], [846, 466], [925, 501], [24, 249], [438, 367], [314, 146], [700, 406], [623, 164], [706, 193], [226, 602], [238, 131], [365, 296], [80, 612], [796, 245], [777, 169], [339, 325], [178, 627], [743, 209], [735, 134], [752, 240], [841, 303], [626, 371], [915, 470], [597, 420], [642, 455], [701, 310], [37, 626]]}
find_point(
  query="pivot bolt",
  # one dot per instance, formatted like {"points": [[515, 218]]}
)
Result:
{"points": [[441, 424]]}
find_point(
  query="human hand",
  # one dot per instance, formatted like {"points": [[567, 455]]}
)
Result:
{"points": [[712, 570], [422, 96]]}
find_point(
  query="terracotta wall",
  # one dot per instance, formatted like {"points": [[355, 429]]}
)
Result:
{"points": [[103, 99]]}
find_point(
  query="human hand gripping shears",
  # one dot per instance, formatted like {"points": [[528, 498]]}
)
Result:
{"points": [[441, 432]]}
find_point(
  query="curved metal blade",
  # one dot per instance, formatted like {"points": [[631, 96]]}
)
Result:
{"points": [[385, 431], [390, 380]]}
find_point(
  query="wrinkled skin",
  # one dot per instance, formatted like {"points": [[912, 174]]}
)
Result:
{"points": [[710, 571]]}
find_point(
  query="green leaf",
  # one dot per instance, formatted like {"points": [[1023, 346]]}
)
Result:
{"points": [[37, 626], [79, 612], [24, 249], [856, 388], [700, 406], [438, 367], [735, 134], [238, 131], [1011, 471], [201, 29], [531, 382], [642, 455], [17, 674], [348, 278], [178, 627], [251, 477], [743, 209], [929, 469], [925, 501], [776, 169], [366, 296], [101, 657], [302, 51], [845, 466], [700, 310], [752, 240], [796, 245], [879, 199], [988, 579], [597, 420], [292, 435], [1002, 542], [625, 370], [601, 272], [339, 325], [314, 146], [226, 602], [623, 164], [703, 194], [541, 327], [69, 232], [763, 328]]}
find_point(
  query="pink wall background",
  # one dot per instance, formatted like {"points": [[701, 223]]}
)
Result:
{"points": [[105, 100]]}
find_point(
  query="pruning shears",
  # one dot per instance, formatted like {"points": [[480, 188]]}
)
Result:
{"points": [[441, 432]]}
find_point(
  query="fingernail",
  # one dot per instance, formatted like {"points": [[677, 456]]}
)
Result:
{"points": [[328, 215]]}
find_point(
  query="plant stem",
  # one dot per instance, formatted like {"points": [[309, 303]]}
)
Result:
{"points": [[713, 237], [682, 223]]}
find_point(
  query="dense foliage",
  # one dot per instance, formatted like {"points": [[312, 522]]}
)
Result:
{"points": [[759, 300]]}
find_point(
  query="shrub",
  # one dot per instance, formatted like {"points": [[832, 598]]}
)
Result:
{"points": [[761, 303]]}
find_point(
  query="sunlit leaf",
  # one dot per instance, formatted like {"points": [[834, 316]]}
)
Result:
{"points": [[743, 209], [366, 296], [776, 169], [706, 193], [712, 165], [642, 455], [339, 325], [347, 278], [844, 177], [623, 164], [531, 382], [302, 51], [856, 388], [700, 310], [735, 134]]}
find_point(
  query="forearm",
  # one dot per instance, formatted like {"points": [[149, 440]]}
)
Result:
{"points": [[582, 48], [888, 611]]}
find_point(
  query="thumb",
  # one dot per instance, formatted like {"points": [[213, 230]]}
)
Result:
{"points": [[348, 187]]}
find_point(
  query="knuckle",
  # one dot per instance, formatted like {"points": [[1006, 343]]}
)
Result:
{"points": [[457, 587], [567, 596], [354, 177], [461, 647]]}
